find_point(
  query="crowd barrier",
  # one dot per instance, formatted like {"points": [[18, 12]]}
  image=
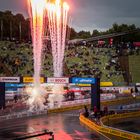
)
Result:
{"points": [[110, 130], [120, 101], [111, 118], [66, 106]]}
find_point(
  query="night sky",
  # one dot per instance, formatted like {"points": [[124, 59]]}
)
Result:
{"points": [[90, 14]]}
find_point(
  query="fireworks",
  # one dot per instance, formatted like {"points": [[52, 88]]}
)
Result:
{"points": [[36, 10], [57, 16]]}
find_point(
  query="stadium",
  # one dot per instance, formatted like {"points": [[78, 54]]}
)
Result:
{"points": [[52, 74]]}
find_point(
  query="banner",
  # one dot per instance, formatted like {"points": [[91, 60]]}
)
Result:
{"points": [[84, 85], [58, 80], [10, 79], [121, 90], [106, 84], [31, 79], [13, 85], [83, 80]]}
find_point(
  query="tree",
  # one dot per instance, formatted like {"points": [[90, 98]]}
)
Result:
{"points": [[7, 18], [115, 27], [10, 26], [95, 33], [84, 34], [73, 33]]}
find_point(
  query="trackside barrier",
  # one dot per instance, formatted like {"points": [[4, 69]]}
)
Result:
{"points": [[136, 105], [120, 101], [28, 114], [65, 106], [104, 120], [78, 104], [63, 109], [109, 130]]}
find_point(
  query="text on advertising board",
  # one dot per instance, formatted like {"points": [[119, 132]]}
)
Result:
{"points": [[31, 79], [10, 79], [58, 80], [84, 85], [83, 80]]}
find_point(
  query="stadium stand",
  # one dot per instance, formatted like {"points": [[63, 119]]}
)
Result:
{"points": [[80, 60]]}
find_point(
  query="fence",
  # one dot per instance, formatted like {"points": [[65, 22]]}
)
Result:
{"points": [[110, 130]]}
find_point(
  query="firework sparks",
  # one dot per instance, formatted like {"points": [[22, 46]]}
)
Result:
{"points": [[36, 12], [58, 14]]}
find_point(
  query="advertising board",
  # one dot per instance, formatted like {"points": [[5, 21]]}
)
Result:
{"points": [[31, 79], [10, 79], [58, 80], [83, 80]]}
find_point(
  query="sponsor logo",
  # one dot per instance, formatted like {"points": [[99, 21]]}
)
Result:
{"points": [[10, 79], [83, 80], [58, 80], [106, 84], [84, 85], [31, 79]]}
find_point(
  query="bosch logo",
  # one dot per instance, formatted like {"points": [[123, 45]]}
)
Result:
{"points": [[58, 80]]}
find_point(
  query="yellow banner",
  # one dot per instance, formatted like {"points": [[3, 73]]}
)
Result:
{"points": [[102, 84], [31, 79], [84, 85], [106, 84]]}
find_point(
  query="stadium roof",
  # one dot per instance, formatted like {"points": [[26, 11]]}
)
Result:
{"points": [[96, 38]]}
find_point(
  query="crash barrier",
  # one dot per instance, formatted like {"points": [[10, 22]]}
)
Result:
{"points": [[136, 105], [120, 101], [29, 114], [66, 106], [63, 109], [109, 130], [117, 117]]}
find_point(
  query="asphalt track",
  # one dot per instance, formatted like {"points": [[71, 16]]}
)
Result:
{"points": [[66, 126], [131, 124]]}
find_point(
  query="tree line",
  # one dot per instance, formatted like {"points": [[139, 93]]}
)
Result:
{"points": [[116, 28], [14, 27], [17, 27]]}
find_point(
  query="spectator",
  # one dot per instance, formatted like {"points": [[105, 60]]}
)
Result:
{"points": [[105, 110], [86, 113], [95, 110]]}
